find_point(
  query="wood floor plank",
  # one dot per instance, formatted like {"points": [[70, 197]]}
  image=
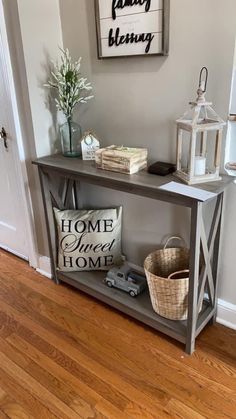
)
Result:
{"points": [[115, 382], [213, 366], [27, 332], [73, 300], [30, 402], [14, 410], [54, 404], [2, 394], [152, 389], [67, 298], [50, 381], [13, 353], [206, 400], [18, 301], [3, 415], [62, 374], [180, 410], [110, 365], [72, 385]]}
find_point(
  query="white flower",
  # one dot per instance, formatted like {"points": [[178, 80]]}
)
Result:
{"points": [[69, 83]]}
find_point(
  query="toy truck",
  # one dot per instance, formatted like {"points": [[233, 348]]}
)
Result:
{"points": [[126, 279]]}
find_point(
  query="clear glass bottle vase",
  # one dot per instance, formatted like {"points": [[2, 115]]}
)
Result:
{"points": [[71, 135]]}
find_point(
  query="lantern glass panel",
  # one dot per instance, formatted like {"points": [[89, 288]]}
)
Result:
{"points": [[198, 151], [185, 150], [210, 147]]}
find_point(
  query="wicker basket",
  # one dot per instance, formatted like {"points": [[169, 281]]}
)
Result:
{"points": [[169, 296]]}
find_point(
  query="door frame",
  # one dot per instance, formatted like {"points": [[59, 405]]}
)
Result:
{"points": [[21, 166]]}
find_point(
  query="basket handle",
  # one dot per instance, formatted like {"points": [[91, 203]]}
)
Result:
{"points": [[173, 238]]}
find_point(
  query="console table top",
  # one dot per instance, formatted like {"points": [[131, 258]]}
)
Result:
{"points": [[141, 183]]}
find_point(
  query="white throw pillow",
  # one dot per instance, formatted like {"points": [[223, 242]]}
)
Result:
{"points": [[88, 240]]}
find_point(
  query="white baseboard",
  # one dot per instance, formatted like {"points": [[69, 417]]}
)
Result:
{"points": [[13, 252], [226, 312], [44, 267]]}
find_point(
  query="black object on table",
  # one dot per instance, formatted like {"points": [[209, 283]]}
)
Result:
{"points": [[162, 168]]}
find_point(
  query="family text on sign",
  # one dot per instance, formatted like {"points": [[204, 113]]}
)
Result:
{"points": [[114, 37], [121, 4]]}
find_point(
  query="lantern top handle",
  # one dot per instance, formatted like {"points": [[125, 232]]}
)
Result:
{"points": [[203, 80]]}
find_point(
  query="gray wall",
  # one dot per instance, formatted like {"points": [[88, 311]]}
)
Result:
{"points": [[138, 99]]}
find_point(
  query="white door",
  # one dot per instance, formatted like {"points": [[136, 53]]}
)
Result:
{"points": [[12, 213]]}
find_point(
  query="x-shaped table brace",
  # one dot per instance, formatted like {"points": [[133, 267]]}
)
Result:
{"points": [[203, 270]]}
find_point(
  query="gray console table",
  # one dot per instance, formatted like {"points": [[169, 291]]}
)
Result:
{"points": [[60, 177]]}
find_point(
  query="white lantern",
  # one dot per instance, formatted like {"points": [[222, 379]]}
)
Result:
{"points": [[199, 139]]}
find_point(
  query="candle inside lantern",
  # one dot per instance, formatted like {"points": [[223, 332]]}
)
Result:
{"points": [[200, 166]]}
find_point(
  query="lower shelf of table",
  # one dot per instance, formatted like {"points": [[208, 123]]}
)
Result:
{"points": [[139, 308]]}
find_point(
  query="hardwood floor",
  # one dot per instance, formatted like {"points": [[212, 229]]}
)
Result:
{"points": [[65, 355]]}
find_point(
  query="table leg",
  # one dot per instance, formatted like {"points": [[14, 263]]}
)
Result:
{"points": [[195, 239], [215, 262], [50, 223]]}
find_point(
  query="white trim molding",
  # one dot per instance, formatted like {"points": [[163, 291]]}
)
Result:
{"points": [[13, 252], [226, 312], [44, 266], [17, 129]]}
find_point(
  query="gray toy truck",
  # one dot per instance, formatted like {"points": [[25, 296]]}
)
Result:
{"points": [[127, 280]]}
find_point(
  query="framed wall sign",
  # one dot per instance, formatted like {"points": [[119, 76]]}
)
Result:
{"points": [[132, 27]]}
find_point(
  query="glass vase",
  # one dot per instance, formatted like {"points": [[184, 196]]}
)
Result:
{"points": [[71, 135]]}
